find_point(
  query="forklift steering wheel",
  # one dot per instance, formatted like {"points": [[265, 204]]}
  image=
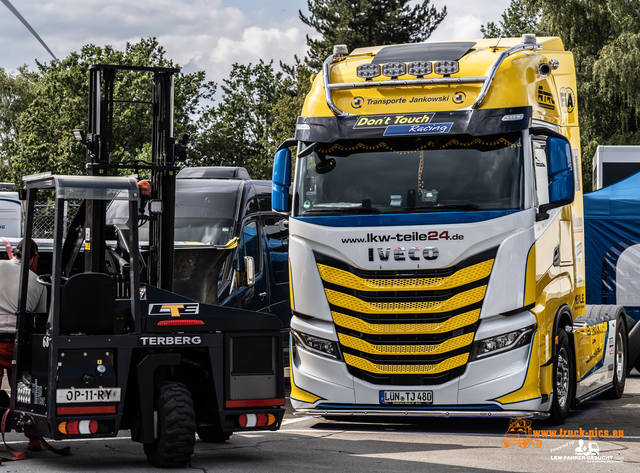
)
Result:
{"points": [[45, 279]]}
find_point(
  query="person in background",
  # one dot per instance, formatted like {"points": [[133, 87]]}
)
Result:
{"points": [[9, 293]]}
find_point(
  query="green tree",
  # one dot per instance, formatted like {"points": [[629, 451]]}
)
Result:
{"points": [[259, 105], [359, 23], [44, 131], [604, 36], [518, 19], [256, 112], [16, 93]]}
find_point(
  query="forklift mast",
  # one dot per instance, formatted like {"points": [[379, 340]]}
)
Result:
{"points": [[100, 145]]}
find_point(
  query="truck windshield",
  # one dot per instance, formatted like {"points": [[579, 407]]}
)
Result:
{"points": [[402, 175]]}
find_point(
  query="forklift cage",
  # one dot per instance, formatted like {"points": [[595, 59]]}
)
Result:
{"points": [[88, 188]]}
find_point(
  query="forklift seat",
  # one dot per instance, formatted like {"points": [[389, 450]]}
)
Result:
{"points": [[88, 304]]}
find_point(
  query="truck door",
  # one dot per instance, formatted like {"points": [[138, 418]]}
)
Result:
{"points": [[277, 256], [249, 292]]}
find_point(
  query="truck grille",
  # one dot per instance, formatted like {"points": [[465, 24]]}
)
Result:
{"points": [[408, 328]]}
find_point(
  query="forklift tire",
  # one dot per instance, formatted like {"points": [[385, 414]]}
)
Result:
{"points": [[563, 382], [173, 445], [209, 434], [619, 363]]}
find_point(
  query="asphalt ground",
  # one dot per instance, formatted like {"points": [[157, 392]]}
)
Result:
{"points": [[383, 445]]}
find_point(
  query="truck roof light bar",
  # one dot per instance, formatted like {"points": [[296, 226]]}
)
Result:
{"points": [[403, 82], [446, 68], [528, 44], [419, 68], [368, 71], [394, 69]]}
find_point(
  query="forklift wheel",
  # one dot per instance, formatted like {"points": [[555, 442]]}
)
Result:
{"points": [[176, 427], [210, 435]]}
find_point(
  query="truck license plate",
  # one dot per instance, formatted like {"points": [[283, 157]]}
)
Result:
{"points": [[68, 396], [406, 397]]}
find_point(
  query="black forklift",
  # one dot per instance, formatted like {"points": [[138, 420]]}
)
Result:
{"points": [[118, 349]]}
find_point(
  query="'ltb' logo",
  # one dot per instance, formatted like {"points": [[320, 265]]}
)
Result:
{"points": [[174, 309]]}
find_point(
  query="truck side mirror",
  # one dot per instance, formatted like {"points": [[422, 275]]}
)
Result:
{"points": [[561, 177], [280, 198], [250, 268]]}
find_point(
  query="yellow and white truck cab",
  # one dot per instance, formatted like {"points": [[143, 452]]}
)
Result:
{"points": [[436, 236]]}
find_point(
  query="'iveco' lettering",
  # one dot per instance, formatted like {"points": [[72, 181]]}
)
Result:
{"points": [[399, 253], [170, 340]]}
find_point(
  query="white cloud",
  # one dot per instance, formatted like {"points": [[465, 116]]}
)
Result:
{"points": [[197, 34], [464, 18]]}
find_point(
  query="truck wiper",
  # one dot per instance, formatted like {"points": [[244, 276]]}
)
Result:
{"points": [[444, 207]]}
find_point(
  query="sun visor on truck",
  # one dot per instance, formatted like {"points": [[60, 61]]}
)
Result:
{"points": [[423, 52], [460, 122]]}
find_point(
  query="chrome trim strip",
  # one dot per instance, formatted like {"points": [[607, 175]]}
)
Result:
{"points": [[407, 82], [410, 413], [496, 64], [486, 80], [326, 77]]}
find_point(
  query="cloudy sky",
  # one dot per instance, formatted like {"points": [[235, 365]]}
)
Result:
{"points": [[197, 34]]}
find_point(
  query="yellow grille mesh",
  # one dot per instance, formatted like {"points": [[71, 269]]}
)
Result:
{"points": [[460, 278], [358, 305], [445, 365], [448, 345], [449, 325]]}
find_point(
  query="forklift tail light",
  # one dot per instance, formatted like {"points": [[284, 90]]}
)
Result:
{"points": [[171, 323], [256, 420], [76, 427]]}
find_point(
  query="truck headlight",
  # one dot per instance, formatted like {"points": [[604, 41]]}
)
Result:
{"points": [[501, 343], [316, 344]]}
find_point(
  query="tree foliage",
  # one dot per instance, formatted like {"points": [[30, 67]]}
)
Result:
{"points": [[604, 36], [519, 18], [16, 93], [61, 104], [257, 111], [358, 23], [256, 108]]}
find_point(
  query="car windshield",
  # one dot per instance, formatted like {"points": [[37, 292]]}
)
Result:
{"points": [[201, 217], [402, 175]]}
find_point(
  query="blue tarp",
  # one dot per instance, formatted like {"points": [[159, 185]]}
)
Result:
{"points": [[612, 245]]}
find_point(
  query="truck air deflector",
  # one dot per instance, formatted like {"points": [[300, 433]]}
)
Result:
{"points": [[463, 122], [408, 328], [423, 52]]}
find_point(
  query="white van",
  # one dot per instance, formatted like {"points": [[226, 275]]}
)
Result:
{"points": [[10, 213]]}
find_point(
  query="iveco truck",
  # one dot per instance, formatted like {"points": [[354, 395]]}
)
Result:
{"points": [[436, 249]]}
